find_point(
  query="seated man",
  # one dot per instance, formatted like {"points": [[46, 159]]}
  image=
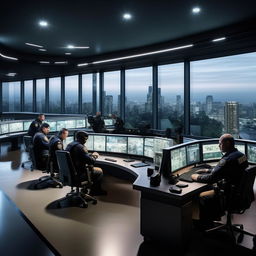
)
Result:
{"points": [[56, 143], [230, 169], [35, 125], [98, 123], [119, 124], [80, 157], [41, 146]]}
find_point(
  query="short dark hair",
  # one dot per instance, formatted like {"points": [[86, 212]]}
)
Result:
{"points": [[44, 125], [81, 135], [41, 114], [62, 131]]}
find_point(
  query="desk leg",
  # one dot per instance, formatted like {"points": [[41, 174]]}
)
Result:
{"points": [[165, 222]]}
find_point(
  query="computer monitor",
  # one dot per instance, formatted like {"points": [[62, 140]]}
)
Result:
{"points": [[60, 125], [240, 147], [99, 143], [160, 144], [211, 152], [70, 124], [4, 128], [16, 127], [53, 126], [149, 147], [67, 141], [80, 123], [251, 153], [89, 142], [193, 154], [108, 122], [135, 146], [117, 144], [26, 125], [158, 159], [178, 158]]}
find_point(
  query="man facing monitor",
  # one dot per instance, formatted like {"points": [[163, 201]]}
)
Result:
{"points": [[35, 125], [230, 169], [81, 157]]}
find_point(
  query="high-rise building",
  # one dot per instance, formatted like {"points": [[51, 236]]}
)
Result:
{"points": [[231, 118], [178, 104], [108, 104], [209, 104]]}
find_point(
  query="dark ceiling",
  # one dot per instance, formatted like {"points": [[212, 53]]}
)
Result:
{"points": [[99, 24]]}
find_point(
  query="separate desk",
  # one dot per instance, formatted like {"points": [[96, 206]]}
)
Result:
{"points": [[165, 216]]}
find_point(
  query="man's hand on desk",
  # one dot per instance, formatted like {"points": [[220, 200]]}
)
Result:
{"points": [[202, 171], [95, 155], [194, 177]]}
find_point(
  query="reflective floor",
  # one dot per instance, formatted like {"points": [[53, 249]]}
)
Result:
{"points": [[110, 228]]}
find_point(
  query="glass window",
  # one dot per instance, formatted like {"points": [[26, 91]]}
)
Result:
{"points": [[171, 97], [55, 95], [87, 94], [138, 104], [11, 97], [223, 96], [40, 95], [28, 96], [111, 93], [71, 94]]}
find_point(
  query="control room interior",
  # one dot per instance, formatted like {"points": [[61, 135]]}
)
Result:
{"points": [[127, 128]]}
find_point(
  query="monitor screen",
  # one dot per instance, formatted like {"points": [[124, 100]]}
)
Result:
{"points": [[160, 144], [70, 124], [67, 141], [158, 159], [52, 126], [178, 158], [60, 125], [16, 127], [251, 153], [80, 123], [135, 146], [240, 147], [193, 154], [149, 147], [89, 142], [99, 143], [108, 122], [211, 152], [4, 128], [26, 125], [117, 144]]}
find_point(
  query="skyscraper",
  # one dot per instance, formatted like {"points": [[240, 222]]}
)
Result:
{"points": [[108, 104], [231, 119], [209, 102], [178, 104]]}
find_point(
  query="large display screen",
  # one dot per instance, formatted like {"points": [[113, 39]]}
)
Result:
{"points": [[240, 147], [251, 153], [16, 127], [178, 158], [99, 143], [89, 142], [4, 128], [135, 146], [26, 125], [149, 147], [160, 144], [80, 123], [211, 152], [108, 122], [117, 144], [53, 126], [193, 154], [70, 124], [60, 125]]}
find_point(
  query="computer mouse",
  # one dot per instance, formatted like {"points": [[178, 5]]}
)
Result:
{"points": [[182, 185]]}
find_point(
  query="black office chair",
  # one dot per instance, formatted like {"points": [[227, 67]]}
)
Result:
{"points": [[28, 141], [68, 177], [50, 180], [238, 200]]}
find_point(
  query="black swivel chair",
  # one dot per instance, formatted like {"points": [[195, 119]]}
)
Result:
{"points": [[238, 200], [28, 141], [50, 180], [68, 177]]}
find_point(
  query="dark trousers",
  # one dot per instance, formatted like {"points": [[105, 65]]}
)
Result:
{"points": [[96, 175]]}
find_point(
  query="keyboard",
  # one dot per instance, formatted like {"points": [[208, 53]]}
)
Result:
{"points": [[110, 159], [187, 175], [138, 165]]}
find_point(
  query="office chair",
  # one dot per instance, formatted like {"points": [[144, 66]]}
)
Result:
{"points": [[238, 200], [68, 177], [51, 180], [28, 141]]}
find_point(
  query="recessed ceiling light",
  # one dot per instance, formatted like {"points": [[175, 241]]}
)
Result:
{"points": [[70, 46], [196, 10], [8, 57], [60, 62], [34, 45], [42, 50], [43, 23], [44, 62], [139, 55], [67, 53], [127, 16], [219, 39], [11, 74]]}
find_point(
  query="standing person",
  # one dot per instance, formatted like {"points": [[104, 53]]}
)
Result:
{"points": [[35, 125]]}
